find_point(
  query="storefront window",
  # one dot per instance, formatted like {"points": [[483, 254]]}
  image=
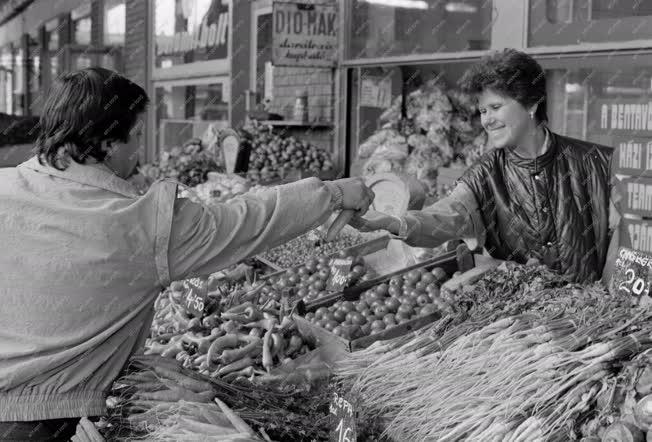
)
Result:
{"points": [[34, 62], [183, 112], [81, 24], [115, 21], [381, 28], [52, 43], [605, 105], [19, 86], [190, 31], [6, 81], [567, 22], [264, 56]]}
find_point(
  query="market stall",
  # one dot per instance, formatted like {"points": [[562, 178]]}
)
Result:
{"points": [[359, 338]]}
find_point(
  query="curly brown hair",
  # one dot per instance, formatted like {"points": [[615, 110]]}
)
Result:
{"points": [[511, 73]]}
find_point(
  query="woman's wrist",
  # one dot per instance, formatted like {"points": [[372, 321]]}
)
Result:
{"points": [[397, 226]]}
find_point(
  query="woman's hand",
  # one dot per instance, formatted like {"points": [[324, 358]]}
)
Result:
{"points": [[373, 221]]}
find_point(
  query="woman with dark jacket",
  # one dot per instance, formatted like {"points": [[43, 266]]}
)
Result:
{"points": [[536, 195]]}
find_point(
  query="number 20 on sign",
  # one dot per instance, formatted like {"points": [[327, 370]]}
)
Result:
{"points": [[632, 274]]}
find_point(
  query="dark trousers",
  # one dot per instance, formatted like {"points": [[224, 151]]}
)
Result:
{"points": [[48, 430]]}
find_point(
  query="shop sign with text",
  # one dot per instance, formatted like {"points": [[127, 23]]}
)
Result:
{"points": [[636, 196], [624, 115], [633, 156], [192, 32], [304, 34]]}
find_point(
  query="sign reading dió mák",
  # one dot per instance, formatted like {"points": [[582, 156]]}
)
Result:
{"points": [[304, 34]]}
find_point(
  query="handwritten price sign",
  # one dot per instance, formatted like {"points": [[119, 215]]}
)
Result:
{"points": [[339, 274], [632, 274], [196, 294], [343, 420]]}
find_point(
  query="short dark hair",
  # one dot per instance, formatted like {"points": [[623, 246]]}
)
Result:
{"points": [[83, 109], [511, 73]]}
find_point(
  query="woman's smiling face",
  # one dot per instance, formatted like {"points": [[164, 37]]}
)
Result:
{"points": [[506, 120]]}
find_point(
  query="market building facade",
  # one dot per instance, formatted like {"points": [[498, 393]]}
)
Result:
{"points": [[203, 62]]}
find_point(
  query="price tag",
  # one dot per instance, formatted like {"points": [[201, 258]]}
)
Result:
{"points": [[196, 294], [631, 275], [339, 274], [342, 415]]}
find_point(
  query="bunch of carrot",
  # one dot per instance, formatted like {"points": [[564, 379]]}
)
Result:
{"points": [[516, 379]]}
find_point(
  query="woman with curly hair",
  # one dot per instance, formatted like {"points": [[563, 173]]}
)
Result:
{"points": [[537, 195]]}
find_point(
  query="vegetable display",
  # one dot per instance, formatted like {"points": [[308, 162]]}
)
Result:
{"points": [[273, 155], [219, 188], [404, 297], [303, 248], [543, 355], [189, 164], [238, 342], [308, 282], [441, 125], [157, 399]]}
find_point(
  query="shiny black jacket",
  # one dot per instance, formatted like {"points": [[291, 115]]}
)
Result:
{"points": [[554, 208]]}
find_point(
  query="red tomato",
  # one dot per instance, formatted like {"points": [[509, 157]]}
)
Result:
{"points": [[339, 315], [330, 316], [366, 329], [396, 280], [420, 285], [361, 305], [320, 312], [404, 309], [402, 317], [377, 326], [330, 325], [389, 319], [439, 274], [348, 306], [324, 274], [337, 330], [382, 289], [394, 291], [423, 300], [392, 304], [380, 311], [318, 285], [358, 318], [428, 278]]}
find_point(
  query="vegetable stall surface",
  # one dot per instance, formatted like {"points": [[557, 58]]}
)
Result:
{"points": [[404, 297]]}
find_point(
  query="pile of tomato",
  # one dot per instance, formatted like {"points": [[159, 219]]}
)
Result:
{"points": [[403, 298], [309, 281]]}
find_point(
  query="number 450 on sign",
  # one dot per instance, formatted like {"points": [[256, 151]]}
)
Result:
{"points": [[631, 274]]}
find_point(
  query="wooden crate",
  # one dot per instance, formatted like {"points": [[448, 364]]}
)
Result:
{"points": [[337, 345]]}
